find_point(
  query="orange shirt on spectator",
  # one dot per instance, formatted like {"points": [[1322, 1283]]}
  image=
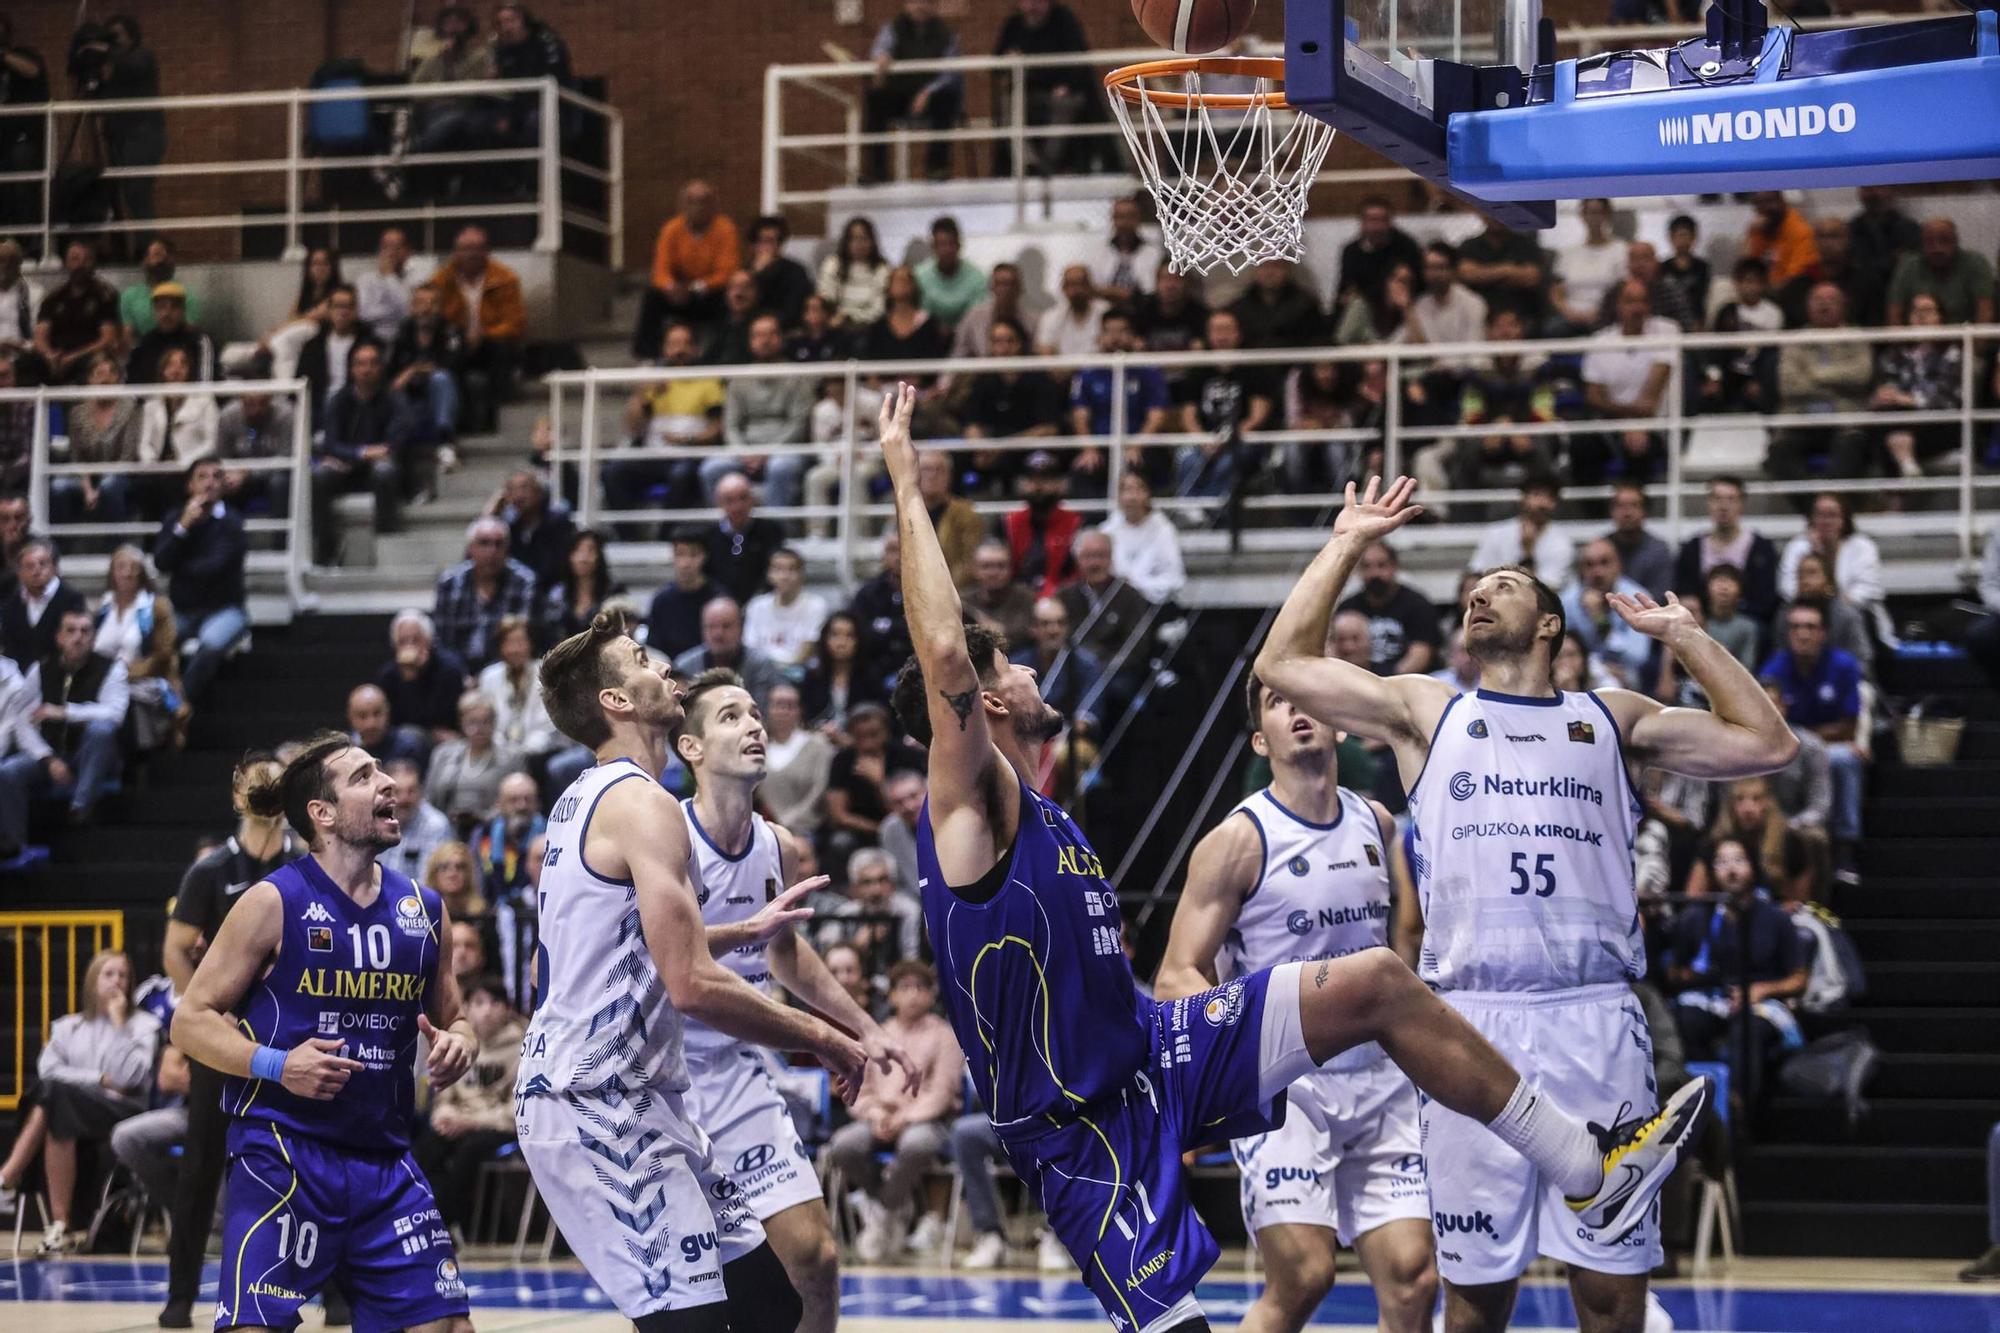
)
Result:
{"points": [[503, 312], [1792, 253], [680, 256]]}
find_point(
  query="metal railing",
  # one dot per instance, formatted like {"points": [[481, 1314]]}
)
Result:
{"points": [[580, 439], [549, 157], [294, 530], [43, 956], [836, 91]]}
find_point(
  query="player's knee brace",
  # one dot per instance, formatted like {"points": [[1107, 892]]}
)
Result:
{"points": [[762, 1298]]}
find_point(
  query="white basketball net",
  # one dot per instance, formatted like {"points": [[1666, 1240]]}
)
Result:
{"points": [[1229, 181]]}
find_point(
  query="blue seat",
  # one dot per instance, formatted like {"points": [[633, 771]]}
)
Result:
{"points": [[341, 127], [1718, 1071]]}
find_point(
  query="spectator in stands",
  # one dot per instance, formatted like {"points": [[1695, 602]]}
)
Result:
{"points": [[1009, 405], [906, 792], [465, 772], [1574, 668], [1507, 269], [673, 623], [172, 331], [905, 332], [1961, 281], [1822, 692], [1625, 382], [1172, 317], [1622, 650], [958, 525], [468, 950], [1802, 791], [1447, 311], [757, 413], [520, 720], [1587, 271], [946, 284], [1365, 261], [1145, 545], [798, 761], [841, 675], [473, 1117], [1642, 265], [524, 47], [1743, 379], [740, 544], [729, 340], [368, 726], [1091, 389], [422, 682], [101, 430], [174, 427], [1855, 560], [783, 285], [78, 319], [936, 100], [1780, 236], [673, 412], [325, 359], [994, 599], [1124, 269], [1684, 267], [1403, 630], [151, 1143], [19, 298], [784, 623], [973, 336], [1052, 94], [382, 294], [1728, 542], [369, 443], [1923, 376], [854, 279], [1866, 289], [277, 351], [449, 871], [850, 971], [1040, 533], [856, 802], [1882, 233], [1710, 965], [482, 297], [1725, 619], [1276, 310], [83, 701], [1380, 316], [426, 831], [17, 429], [912, 1128], [1068, 674], [452, 124], [1646, 560], [1529, 539], [202, 551], [93, 1072], [126, 71], [500, 844], [722, 646], [816, 339], [425, 361], [1226, 402], [575, 597], [476, 594], [1509, 388], [871, 891], [138, 627], [693, 256], [24, 81], [1103, 608], [31, 619], [1069, 328], [1847, 628], [538, 534], [15, 533], [878, 605]]}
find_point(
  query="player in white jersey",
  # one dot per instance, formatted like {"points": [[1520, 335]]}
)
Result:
{"points": [[736, 862], [1523, 807], [1305, 870], [623, 958]]}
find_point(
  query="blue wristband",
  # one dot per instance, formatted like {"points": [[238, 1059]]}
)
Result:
{"points": [[268, 1062]]}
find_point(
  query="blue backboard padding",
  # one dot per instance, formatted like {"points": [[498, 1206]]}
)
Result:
{"points": [[1931, 122]]}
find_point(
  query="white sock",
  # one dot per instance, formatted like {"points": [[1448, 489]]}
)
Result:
{"points": [[1554, 1140]]}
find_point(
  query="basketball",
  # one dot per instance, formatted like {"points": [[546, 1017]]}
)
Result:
{"points": [[1193, 27]]}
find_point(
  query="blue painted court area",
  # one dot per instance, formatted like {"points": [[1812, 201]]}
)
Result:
{"points": [[942, 1297]]}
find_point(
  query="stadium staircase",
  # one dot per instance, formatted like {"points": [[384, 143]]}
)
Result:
{"points": [[1909, 1180]]}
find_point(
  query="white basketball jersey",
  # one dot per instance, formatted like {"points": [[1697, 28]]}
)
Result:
{"points": [[1324, 892], [731, 889], [1521, 846], [603, 1025]]}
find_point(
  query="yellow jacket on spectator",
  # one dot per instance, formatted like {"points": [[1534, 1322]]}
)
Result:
{"points": [[680, 256]]}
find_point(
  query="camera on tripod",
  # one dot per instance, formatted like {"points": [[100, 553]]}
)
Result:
{"points": [[89, 57]]}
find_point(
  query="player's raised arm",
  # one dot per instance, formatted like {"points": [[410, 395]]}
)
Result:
{"points": [[1743, 736], [1293, 661], [1222, 871]]}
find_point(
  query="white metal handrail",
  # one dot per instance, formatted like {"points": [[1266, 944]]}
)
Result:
{"points": [[592, 447], [296, 527], [835, 82], [547, 207]]}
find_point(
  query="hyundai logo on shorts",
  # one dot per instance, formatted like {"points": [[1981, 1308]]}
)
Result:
{"points": [[1462, 786], [755, 1159]]}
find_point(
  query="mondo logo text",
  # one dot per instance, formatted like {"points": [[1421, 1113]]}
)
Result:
{"points": [[1772, 122]]}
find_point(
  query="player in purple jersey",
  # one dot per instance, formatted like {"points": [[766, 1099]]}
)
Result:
{"points": [[1095, 1091], [310, 1001]]}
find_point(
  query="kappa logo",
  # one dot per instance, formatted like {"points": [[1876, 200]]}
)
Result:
{"points": [[316, 911], [1462, 786], [1804, 121]]}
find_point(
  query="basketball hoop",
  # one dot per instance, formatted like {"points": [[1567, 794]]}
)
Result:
{"points": [[1228, 165]]}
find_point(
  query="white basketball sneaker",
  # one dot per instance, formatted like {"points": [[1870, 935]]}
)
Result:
{"points": [[1639, 1155]]}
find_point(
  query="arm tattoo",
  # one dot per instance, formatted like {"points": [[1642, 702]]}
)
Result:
{"points": [[1319, 977], [961, 704]]}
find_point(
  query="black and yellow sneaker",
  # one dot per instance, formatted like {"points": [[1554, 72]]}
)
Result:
{"points": [[1639, 1155]]}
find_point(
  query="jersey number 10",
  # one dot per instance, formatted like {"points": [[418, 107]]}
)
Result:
{"points": [[1544, 882], [377, 953]]}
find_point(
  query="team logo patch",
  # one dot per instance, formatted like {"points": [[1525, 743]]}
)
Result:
{"points": [[319, 939], [448, 1282], [316, 912], [1583, 733], [410, 915], [1299, 921], [1462, 786], [329, 1023], [1373, 853], [1225, 1006], [1476, 728], [1297, 865], [770, 888]]}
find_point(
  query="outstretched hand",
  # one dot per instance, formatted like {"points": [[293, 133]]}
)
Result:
{"points": [[897, 449], [1370, 518], [785, 911], [1647, 616]]}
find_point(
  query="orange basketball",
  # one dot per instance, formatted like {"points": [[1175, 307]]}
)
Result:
{"points": [[1193, 27]]}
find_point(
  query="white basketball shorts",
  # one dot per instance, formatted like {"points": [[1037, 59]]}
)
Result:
{"points": [[752, 1137], [1491, 1212]]}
